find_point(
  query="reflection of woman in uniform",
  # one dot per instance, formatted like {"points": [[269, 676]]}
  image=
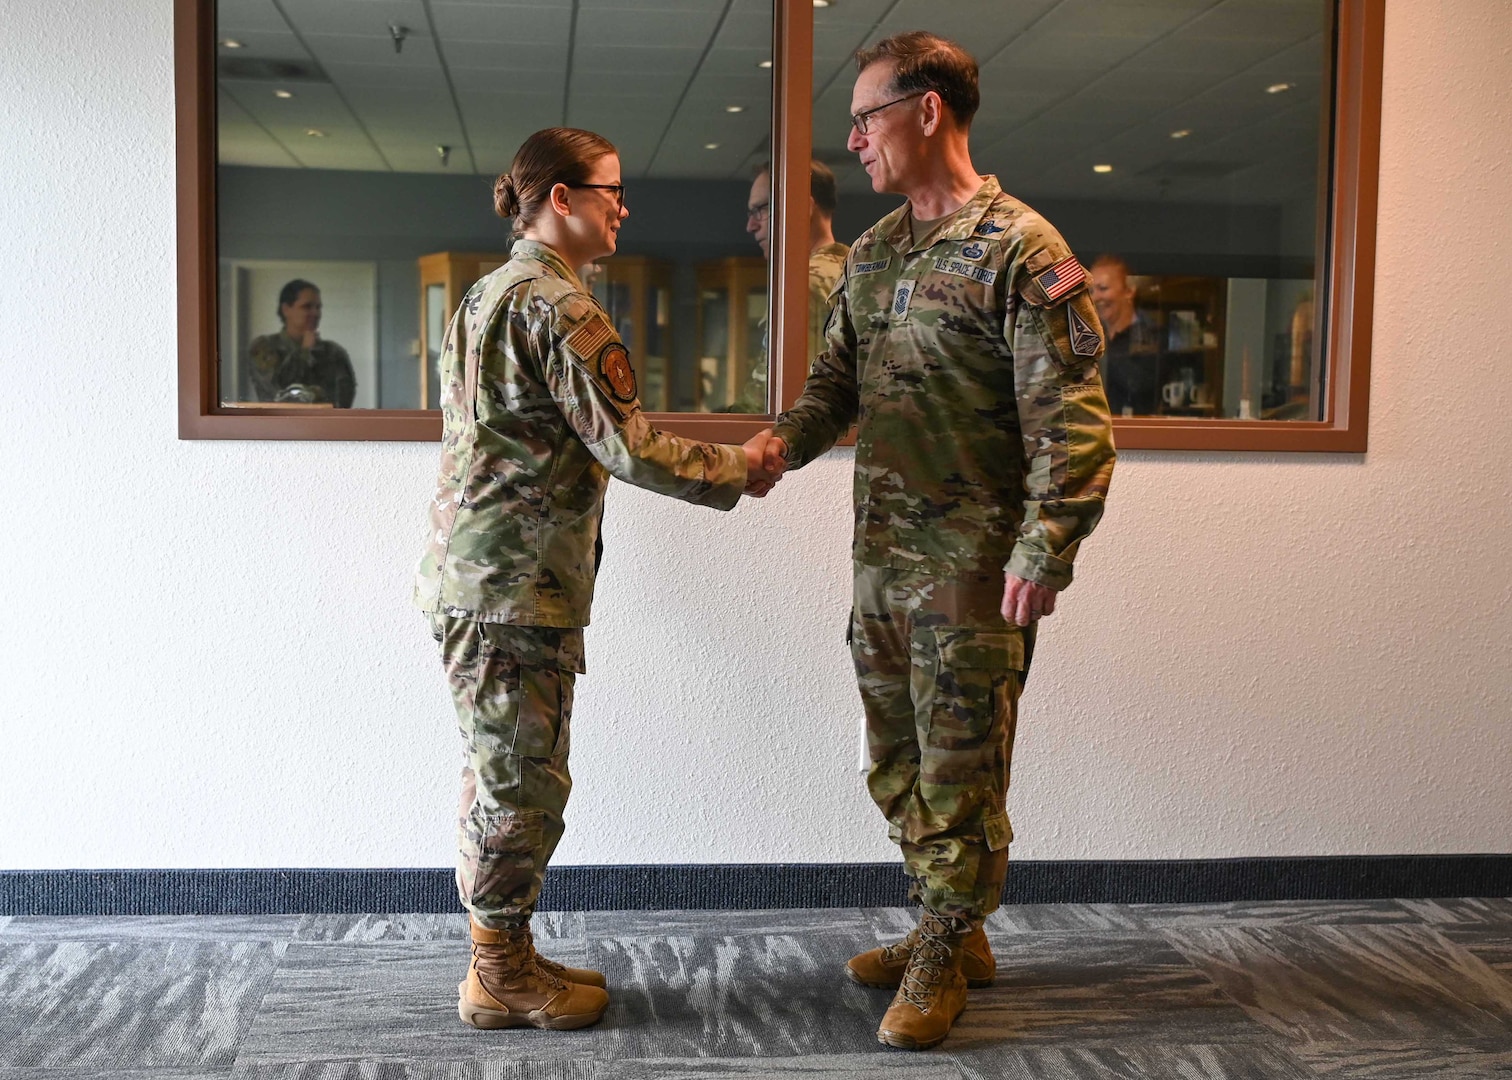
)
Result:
{"points": [[539, 407], [297, 364]]}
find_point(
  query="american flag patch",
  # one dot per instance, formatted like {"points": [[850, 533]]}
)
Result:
{"points": [[589, 339], [1061, 278]]}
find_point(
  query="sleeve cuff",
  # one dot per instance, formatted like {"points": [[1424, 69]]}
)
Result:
{"points": [[789, 436], [1039, 567], [728, 482]]}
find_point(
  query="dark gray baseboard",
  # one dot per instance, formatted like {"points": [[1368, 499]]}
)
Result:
{"points": [[746, 886]]}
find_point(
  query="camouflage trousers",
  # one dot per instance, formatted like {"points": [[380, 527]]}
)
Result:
{"points": [[940, 674], [512, 686]]}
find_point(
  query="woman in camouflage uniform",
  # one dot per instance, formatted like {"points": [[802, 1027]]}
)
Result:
{"points": [[297, 364], [540, 407]]}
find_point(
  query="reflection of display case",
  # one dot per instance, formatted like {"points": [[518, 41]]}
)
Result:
{"points": [[636, 291], [445, 278], [732, 327], [1189, 315]]}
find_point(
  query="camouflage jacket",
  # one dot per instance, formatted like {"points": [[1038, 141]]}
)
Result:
{"points": [[277, 362], [824, 269], [539, 407], [969, 363]]}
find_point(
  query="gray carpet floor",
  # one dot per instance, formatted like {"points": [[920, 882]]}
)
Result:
{"points": [[1378, 990]]}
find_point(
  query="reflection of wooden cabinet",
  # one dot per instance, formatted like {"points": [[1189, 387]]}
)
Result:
{"points": [[445, 278], [1189, 315], [636, 291], [732, 327]]}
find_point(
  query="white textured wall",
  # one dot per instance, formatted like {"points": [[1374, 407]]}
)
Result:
{"points": [[208, 657]]}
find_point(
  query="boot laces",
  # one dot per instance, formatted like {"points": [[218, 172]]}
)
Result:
{"points": [[514, 958], [901, 950], [939, 937]]}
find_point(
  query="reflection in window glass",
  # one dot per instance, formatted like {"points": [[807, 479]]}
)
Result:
{"points": [[1175, 145], [357, 144]]}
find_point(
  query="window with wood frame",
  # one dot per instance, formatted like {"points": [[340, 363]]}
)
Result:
{"points": [[1213, 163]]}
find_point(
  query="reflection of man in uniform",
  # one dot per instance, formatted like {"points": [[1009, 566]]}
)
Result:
{"points": [[826, 261], [965, 345], [1131, 365], [297, 364]]}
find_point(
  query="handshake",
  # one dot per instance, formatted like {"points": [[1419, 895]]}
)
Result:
{"points": [[766, 461]]}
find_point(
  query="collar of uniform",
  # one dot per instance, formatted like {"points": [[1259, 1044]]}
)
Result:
{"points": [[897, 230], [836, 248], [547, 256]]}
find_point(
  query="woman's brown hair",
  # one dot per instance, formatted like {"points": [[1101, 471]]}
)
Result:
{"points": [[552, 156]]}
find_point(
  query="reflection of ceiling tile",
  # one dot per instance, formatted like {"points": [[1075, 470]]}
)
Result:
{"points": [[1065, 83], [241, 16], [505, 23]]}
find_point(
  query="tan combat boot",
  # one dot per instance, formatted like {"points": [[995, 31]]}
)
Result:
{"points": [[932, 992], [884, 967], [583, 976], [506, 987]]}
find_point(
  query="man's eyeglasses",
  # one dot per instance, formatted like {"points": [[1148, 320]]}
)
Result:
{"points": [[859, 120], [618, 189], [759, 211]]}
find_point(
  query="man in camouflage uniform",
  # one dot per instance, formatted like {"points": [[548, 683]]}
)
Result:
{"points": [[965, 346], [539, 407], [826, 261]]}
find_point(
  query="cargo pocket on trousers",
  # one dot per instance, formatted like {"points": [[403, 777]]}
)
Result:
{"points": [[997, 831], [498, 856], [964, 672]]}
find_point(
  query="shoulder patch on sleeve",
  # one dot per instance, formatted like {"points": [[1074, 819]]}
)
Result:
{"points": [[1084, 339], [1050, 275], [590, 337], [615, 369]]}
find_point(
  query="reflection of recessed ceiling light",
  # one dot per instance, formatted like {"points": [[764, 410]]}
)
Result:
{"points": [[1183, 133], [734, 108], [764, 64], [1278, 88], [1102, 168], [821, 3], [285, 94], [315, 133], [711, 146], [231, 43]]}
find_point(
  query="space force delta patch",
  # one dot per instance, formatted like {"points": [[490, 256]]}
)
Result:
{"points": [[966, 270]]}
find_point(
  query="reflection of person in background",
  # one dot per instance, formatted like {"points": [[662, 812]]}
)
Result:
{"points": [[297, 364], [539, 407], [1131, 365], [826, 263]]}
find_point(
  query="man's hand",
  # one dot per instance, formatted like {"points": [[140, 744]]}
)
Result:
{"points": [[761, 475], [1026, 601], [776, 454]]}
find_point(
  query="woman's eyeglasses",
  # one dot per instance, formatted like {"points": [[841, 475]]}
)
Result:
{"points": [[618, 189]]}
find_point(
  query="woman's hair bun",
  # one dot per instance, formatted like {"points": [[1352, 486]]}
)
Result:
{"points": [[506, 199]]}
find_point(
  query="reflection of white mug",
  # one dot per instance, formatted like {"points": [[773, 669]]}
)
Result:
{"points": [[1201, 395], [1174, 393]]}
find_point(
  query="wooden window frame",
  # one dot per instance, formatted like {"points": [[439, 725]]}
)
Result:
{"points": [[1347, 222]]}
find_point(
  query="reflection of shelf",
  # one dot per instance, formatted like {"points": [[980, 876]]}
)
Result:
{"points": [[445, 278], [732, 307], [636, 291]]}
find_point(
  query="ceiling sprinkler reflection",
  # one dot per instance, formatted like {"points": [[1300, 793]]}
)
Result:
{"points": [[444, 153], [398, 33]]}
